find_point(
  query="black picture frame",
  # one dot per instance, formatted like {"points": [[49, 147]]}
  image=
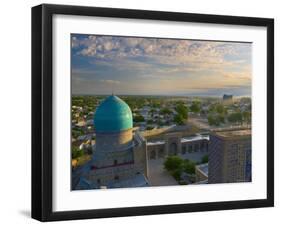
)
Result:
{"points": [[42, 111]]}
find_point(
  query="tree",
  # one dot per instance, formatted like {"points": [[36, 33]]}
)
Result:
{"points": [[247, 116], [178, 119], [149, 128], [220, 108], [165, 111], [177, 174], [76, 152], [173, 163], [152, 111], [76, 132], [189, 166], [139, 118], [213, 120], [155, 103], [204, 159], [235, 117], [195, 107], [149, 121], [182, 111], [220, 118], [212, 108]]}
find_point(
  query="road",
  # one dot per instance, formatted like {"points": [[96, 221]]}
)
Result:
{"points": [[202, 123]]}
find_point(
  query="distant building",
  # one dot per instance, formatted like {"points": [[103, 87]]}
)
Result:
{"points": [[119, 155], [227, 99], [145, 112], [230, 156], [81, 123]]}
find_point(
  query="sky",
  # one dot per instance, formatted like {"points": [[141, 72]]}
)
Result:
{"points": [[154, 66]]}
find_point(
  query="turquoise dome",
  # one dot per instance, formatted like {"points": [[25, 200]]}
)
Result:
{"points": [[113, 115]]}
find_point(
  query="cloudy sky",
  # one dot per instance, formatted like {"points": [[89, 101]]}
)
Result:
{"points": [[153, 66]]}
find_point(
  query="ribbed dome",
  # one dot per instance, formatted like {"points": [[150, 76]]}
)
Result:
{"points": [[113, 115]]}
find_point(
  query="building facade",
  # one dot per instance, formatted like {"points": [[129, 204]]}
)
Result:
{"points": [[230, 156], [227, 99], [175, 144]]}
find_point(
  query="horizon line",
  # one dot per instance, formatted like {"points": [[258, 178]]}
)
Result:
{"points": [[164, 95]]}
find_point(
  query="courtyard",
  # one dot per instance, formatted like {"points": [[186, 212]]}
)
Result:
{"points": [[158, 176]]}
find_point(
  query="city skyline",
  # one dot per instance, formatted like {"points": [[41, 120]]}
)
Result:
{"points": [[102, 65]]}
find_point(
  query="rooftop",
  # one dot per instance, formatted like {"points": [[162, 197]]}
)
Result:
{"points": [[136, 181], [203, 168], [195, 138], [156, 142], [234, 133], [183, 139]]}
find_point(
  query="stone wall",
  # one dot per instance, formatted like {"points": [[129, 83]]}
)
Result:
{"points": [[114, 141], [110, 165]]}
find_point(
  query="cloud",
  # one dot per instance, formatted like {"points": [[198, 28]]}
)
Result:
{"points": [[153, 64], [194, 54], [112, 82], [100, 46]]}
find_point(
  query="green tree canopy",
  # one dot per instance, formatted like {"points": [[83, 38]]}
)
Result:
{"points": [[165, 111], [178, 119], [220, 118], [138, 118], [173, 163], [195, 107], [205, 159], [235, 117], [76, 152], [247, 116], [177, 174], [182, 110], [152, 111], [213, 120], [76, 132], [149, 128], [189, 167], [220, 109]]}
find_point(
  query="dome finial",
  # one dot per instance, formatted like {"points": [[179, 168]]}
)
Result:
{"points": [[112, 93]]}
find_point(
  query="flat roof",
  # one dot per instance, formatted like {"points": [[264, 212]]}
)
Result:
{"points": [[183, 139], [156, 142], [195, 138], [203, 168]]}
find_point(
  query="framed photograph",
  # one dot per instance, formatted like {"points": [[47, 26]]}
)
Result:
{"points": [[145, 112]]}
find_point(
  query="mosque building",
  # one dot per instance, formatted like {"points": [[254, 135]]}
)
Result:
{"points": [[119, 154]]}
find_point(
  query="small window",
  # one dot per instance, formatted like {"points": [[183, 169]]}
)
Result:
{"points": [[115, 162], [116, 177], [98, 180]]}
